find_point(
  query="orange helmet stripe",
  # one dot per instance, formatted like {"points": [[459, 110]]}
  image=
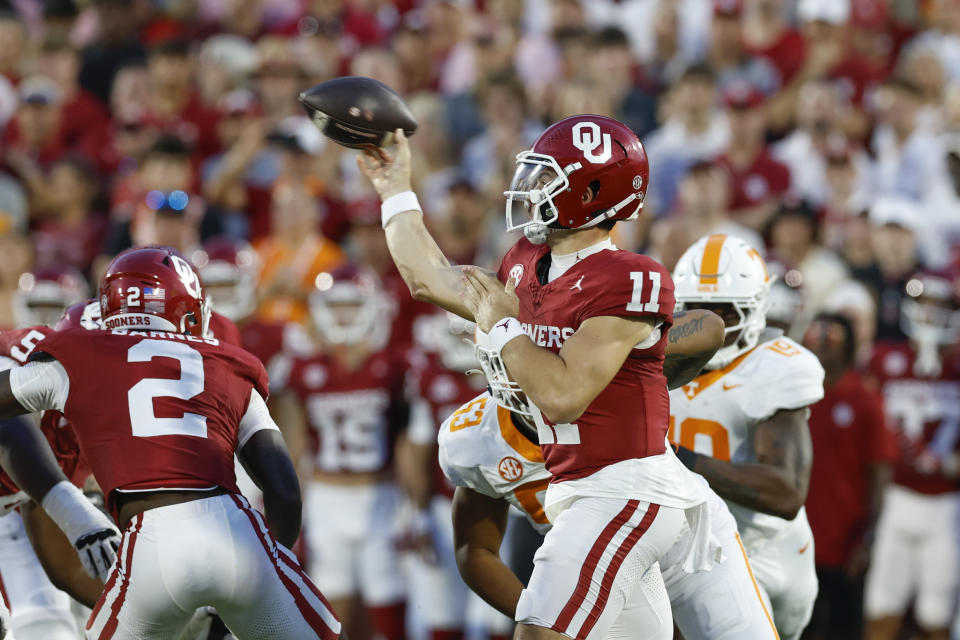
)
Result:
{"points": [[756, 254], [710, 264]]}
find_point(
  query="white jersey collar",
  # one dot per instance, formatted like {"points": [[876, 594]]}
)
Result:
{"points": [[559, 264]]}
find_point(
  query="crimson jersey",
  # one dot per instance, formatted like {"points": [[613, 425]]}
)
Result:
{"points": [[353, 416], [923, 411], [849, 435], [223, 329], [60, 436], [628, 419], [156, 409], [437, 392]]}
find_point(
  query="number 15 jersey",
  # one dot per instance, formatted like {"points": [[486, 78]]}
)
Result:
{"points": [[156, 410]]}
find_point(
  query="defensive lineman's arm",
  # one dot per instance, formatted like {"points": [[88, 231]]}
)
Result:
{"points": [[692, 340], [777, 483], [426, 271], [479, 524]]}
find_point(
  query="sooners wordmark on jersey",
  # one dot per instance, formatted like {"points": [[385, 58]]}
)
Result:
{"points": [[482, 450], [923, 411], [155, 409], [628, 419], [354, 416], [717, 413]]}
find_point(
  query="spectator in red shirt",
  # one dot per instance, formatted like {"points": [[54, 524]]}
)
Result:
{"points": [[756, 180], [852, 455], [767, 34]]}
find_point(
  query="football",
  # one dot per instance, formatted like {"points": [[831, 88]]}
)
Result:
{"points": [[357, 112]]}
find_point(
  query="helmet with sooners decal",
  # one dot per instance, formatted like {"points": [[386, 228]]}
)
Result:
{"points": [[229, 271], [349, 306], [726, 275], [42, 296], [153, 288], [580, 172]]}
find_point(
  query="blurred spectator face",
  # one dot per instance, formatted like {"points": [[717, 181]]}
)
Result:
{"points": [[581, 96], [841, 176], [704, 191], [666, 25], [38, 123], [725, 38], [175, 229], [817, 108], [925, 70], [13, 41], [503, 107], [116, 20], [165, 172], [696, 94], [132, 138], [894, 249], [613, 66], [566, 14], [15, 258], [792, 235], [69, 185], [62, 65], [821, 32], [168, 72], [746, 125], [293, 212], [945, 15], [381, 65], [128, 95], [370, 245], [828, 341], [897, 107]]}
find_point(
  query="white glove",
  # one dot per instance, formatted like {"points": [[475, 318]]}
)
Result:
{"points": [[91, 532]]}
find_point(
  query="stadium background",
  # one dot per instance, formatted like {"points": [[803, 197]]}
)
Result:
{"points": [[827, 134]]}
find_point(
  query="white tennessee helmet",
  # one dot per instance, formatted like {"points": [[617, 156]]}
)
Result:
{"points": [[720, 269], [505, 391]]}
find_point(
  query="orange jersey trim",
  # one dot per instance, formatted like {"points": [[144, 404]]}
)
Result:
{"points": [[695, 387], [757, 588], [515, 439]]}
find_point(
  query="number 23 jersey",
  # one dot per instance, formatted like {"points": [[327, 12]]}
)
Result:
{"points": [[717, 413], [156, 410], [628, 419]]}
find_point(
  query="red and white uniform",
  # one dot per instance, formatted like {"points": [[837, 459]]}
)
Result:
{"points": [[167, 411], [38, 610], [617, 494], [916, 554], [437, 591], [482, 450], [354, 418]]}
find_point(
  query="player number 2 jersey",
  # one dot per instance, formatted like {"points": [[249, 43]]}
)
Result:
{"points": [[717, 413], [156, 410]]}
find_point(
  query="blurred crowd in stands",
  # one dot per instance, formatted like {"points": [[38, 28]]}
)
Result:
{"points": [[824, 132]]}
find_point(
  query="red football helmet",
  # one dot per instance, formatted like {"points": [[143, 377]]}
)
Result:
{"points": [[153, 288], [229, 272], [349, 306], [577, 156], [82, 315], [43, 295]]}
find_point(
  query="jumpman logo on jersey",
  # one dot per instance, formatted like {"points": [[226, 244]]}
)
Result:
{"points": [[577, 284], [503, 325]]}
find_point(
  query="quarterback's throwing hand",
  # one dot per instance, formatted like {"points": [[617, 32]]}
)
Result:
{"points": [[390, 175], [488, 299]]}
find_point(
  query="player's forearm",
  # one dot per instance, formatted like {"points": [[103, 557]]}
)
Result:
{"points": [[58, 557], [546, 380], [761, 487], [27, 458], [422, 265], [283, 514], [486, 574], [692, 340]]}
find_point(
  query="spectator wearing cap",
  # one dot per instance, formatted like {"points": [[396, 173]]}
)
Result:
{"points": [[853, 453], [896, 223], [794, 241], [612, 67], [941, 208], [757, 180], [173, 103], [71, 232], [278, 79], [13, 44], [693, 129], [908, 160], [84, 117], [925, 69], [727, 56], [943, 36], [293, 255], [701, 211], [225, 62], [117, 45]]}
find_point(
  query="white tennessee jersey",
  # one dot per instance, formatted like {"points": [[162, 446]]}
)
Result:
{"points": [[717, 413], [481, 449]]}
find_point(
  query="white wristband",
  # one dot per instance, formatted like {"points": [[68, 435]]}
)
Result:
{"points": [[74, 514], [504, 331], [398, 203]]}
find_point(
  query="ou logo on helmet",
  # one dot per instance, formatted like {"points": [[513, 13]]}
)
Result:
{"points": [[187, 275], [587, 138]]}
